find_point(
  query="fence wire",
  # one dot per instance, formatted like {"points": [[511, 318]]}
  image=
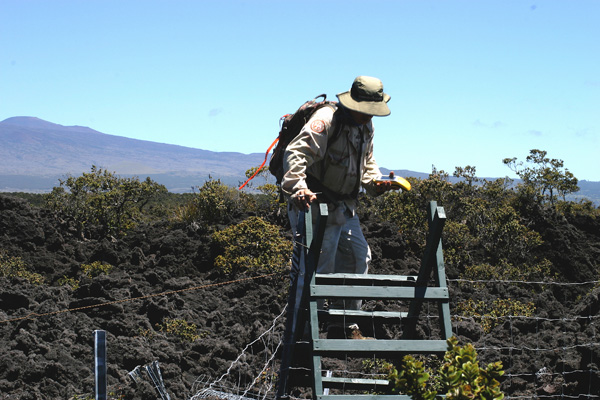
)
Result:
{"points": [[539, 382]]}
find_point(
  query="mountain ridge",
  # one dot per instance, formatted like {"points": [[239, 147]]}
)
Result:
{"points": [[40, 148], [36, 153]]}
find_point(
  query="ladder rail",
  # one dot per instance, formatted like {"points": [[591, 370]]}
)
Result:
{"points": [[414, 290]]}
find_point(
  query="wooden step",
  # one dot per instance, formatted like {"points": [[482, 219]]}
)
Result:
{"points": [[354, 383], [364, 397], [334, 314], [331, 347], [379, 292], [365, 279]]}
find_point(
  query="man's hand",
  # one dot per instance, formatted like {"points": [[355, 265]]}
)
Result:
{"points": [[382, 187], [386, 186], [303, 197]]}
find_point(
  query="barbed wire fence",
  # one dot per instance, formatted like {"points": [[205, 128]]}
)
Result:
{"points": [[262, 386], [544, 356]]}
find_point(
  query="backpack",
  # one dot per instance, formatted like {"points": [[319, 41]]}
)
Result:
{"points": [[291, 125]]}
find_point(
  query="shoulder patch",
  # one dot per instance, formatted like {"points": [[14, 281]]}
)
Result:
{"points": [[318, 126]]}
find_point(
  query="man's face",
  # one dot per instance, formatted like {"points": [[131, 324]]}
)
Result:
{"points": [[360, 118]]}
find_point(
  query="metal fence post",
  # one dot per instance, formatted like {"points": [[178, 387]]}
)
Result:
{"points": [[100, 364]]}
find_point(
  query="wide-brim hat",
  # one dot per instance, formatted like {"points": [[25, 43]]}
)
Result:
{"points": [[366, 96]]}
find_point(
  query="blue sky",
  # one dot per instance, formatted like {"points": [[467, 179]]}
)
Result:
{"points": [[472, 82]]}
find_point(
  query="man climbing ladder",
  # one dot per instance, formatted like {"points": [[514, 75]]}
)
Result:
{"points": [[328, 162]]}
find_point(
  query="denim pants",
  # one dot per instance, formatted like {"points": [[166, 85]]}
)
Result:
{"points": [[344, 248]]}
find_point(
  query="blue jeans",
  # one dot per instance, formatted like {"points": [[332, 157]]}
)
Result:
{"points": [[344, 248]]}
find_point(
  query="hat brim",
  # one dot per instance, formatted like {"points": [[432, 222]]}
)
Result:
{"points": [[375, 108]]}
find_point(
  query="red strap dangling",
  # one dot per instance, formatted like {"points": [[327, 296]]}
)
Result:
{"points": [[261, 165]]}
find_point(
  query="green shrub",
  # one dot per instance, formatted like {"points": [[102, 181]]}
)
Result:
{"points": [[481, 217], [406, 210], [581, 208], [15, 267], [459, 243], [505, 271], [88, 271], [185, 331], [267, 202], [73, 283], [215, 203], [95, 269], [253, 246], [491, 315], [100, 198], [460, 377]]}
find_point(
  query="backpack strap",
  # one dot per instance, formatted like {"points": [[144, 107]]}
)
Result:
{"points": [[261, 165]]}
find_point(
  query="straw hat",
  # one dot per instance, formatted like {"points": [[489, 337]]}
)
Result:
{"points": [[366, 96]]}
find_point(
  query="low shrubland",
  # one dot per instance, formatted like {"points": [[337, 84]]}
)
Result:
{"points": [[105, 230]]}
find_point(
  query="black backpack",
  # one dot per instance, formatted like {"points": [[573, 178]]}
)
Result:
{"points": [[291, 125]]}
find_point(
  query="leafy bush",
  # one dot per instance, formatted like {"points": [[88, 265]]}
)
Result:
{"points": [[268, 201], [185, 331], [252, 246], [491, 315], [581, 208], [460, 377], [215, 203], [507, 271], [483, 224], [406, 210], [95, 269], [100, 198], [73, 283], [89, 271], [15, 267]]}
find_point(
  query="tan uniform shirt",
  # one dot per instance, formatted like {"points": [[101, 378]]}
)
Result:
{"points": [[336, 167]]}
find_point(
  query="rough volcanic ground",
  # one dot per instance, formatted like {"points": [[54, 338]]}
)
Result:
{"points": [[51, 356]]}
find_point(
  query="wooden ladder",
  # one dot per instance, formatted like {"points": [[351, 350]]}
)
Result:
{"points": [[301, 348]]}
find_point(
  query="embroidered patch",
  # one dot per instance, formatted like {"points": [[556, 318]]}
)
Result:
{"points": [[317, 126]]}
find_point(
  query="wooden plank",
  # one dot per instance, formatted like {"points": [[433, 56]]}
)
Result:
{"points": [[364, 397], [379, 292], [433, 257], [365, 279], [369, 346], [334, 313], [354, 383]]}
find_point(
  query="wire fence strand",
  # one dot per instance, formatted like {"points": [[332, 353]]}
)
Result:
{"points": [[68, 310]]}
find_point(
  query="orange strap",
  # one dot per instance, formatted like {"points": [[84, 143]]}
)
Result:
{"points": [[261, 165]]}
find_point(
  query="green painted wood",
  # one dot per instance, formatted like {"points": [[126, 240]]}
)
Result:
{"points": [[440, 280], [317, 384], [354, 383], [314, 241], [308, 226], [379, 292], [369, 346], [364, 314], [365, 279], [430, 263], [353, 286], [370, 397], [364, 397]]}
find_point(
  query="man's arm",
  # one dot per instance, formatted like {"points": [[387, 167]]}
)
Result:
{"points": [[307, 148], [371, 172]]}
